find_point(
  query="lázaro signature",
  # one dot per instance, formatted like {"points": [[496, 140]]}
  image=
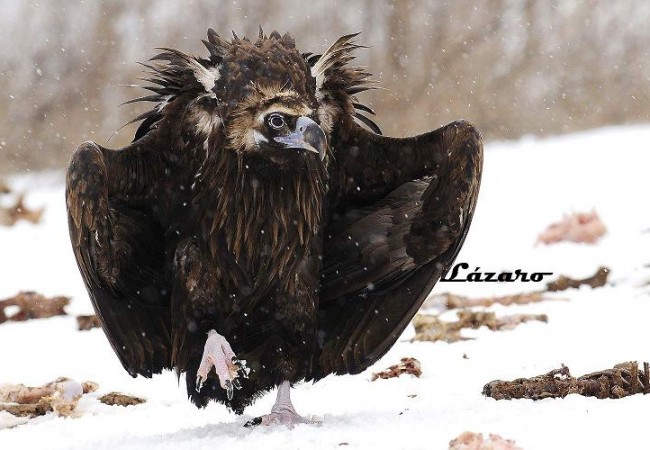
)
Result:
{"points": [[509, 277]]}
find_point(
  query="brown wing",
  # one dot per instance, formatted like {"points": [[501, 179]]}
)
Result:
{"points": [[400, 211], [115, 218]]}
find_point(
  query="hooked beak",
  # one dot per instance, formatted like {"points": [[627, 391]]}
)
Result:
{"points": [[307, 135]]}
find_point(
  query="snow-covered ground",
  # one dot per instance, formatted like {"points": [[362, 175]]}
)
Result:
{"points": [[526, 185]]}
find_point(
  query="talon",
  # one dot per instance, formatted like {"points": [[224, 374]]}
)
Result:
{"points": [[229, 389], [218, 354], [243, 370], [253, 422], [240, 363]]}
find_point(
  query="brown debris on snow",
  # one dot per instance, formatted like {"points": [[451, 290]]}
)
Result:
{"points": [[119, 399], [406, 365], [621, 381], [88, 322], [28, 410], [563, 283], [4, 187], [475, 441], [33, 306], [60, 396], [584, 228], [452, 301], [9, 216], [429, 327]]}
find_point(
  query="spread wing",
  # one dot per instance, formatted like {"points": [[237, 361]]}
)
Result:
{"points": [[116, 220], [399, 213], [125, 207]]}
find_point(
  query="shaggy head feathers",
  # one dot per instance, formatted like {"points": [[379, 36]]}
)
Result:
{"points": [[240, 73]]}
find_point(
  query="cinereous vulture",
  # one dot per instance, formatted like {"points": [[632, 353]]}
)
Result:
{"points": [[260, 224]]}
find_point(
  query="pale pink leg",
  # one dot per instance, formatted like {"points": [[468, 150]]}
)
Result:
{"points": [[282, 413], [217, 353]]}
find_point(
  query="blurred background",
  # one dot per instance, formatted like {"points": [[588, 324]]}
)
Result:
{"points": [[514, 67]]}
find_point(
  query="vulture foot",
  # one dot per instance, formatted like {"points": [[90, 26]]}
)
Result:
{"points": [[217, 353], [282, 413]]}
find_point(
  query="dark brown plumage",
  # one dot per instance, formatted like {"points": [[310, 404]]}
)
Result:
{"points": [[253, 202]]}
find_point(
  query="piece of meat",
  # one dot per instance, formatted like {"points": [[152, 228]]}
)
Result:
{"points": [[578, 227]]}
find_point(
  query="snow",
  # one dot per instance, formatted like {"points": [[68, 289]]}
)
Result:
{"points": [[526, 186]]}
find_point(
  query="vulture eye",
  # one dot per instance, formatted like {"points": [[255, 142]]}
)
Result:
{"points": [[276, 121]]}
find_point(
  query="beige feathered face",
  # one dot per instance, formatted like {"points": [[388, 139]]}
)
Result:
{"points": [[277, 123]]}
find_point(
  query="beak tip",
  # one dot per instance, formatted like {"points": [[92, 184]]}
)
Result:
{"points": [[308, 135]]}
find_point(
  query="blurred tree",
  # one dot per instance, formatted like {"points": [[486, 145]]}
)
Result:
{"points": [[512, 66]]}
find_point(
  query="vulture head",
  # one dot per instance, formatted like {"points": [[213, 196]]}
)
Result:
{"points": [[264, 101]]}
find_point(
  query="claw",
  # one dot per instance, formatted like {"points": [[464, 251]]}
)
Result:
{"points": [[253, 422], [229, 389], [217, 354], [242, 370]]}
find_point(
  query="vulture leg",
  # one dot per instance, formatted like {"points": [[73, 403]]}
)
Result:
{"points": [[217, 353], [192, 318], [283, 412]]}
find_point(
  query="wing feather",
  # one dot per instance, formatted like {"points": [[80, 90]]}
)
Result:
{"points": [[389, 242], [117, 242]]}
